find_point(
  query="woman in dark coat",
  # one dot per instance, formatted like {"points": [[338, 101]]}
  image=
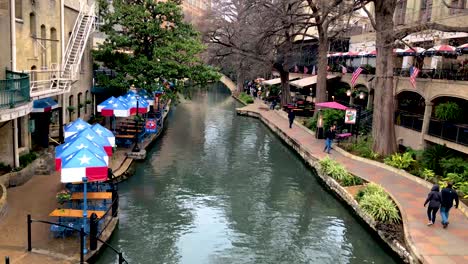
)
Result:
{"points": [[434, 198]]}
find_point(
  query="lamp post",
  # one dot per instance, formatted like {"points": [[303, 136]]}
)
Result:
{"points": [[85, 212], [136, 148]]}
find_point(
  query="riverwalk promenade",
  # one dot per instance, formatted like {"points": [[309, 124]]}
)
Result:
{"points": [[432, 244]]}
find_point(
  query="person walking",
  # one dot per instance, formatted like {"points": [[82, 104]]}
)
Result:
{"points": [[448, 195], [329, 137], [291, 117], [434, 198], [273, 103]]}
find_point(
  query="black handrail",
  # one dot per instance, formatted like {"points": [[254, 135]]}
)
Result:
{"points": [[82, 235], [105, 215]]}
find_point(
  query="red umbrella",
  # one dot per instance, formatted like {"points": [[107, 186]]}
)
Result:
{"points": [[441, 50], [411, 51], [333, 105]]}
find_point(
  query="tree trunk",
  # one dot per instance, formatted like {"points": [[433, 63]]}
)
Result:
{"points": [[321, 90], [383, 129], [285, 93], [240, 80]]}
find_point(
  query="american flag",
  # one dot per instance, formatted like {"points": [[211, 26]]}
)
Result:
{"points": [[306, 70], [355, 76], [343, 69], [413, 77]]}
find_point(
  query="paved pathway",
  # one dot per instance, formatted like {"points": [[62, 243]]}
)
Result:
{"points": [[434, 244]]}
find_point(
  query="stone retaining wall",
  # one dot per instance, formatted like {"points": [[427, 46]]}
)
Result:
{"points": [[3, 200], [45, 161], [400, 250]]}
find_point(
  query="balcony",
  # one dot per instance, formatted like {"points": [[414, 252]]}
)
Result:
{"points": [[14, 91], [409, 120], [457, 133]]}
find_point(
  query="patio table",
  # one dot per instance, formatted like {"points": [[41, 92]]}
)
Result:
{"points": [[75, 213], [92, 196]]}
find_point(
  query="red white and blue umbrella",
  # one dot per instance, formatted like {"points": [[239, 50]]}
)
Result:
{"points": [[411, 51], [95, 137], [75, 127], [463, 48], [143, 106], [44, 105], [440, 50], [143, 94], [75, 145], [109, 100], [104, 132], [83, 164], [117, 108]]}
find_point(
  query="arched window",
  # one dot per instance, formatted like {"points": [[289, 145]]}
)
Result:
{"points": [[70, 108], [33, 76], [43, 47], [80, 104], [32, 24], [53, 45], [86, 102], [19, 9]]}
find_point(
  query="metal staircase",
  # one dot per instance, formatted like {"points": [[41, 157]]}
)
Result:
{"points": [[58, 80]]}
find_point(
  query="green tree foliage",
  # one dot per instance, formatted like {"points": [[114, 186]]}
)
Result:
{"points": [[147, 42], [449, 111]]}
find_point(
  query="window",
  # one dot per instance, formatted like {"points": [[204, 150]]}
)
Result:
{"points": [[80, 104], [426, 11], [53, 45], [19, 9], [70, 108], [32, 24], [400, 12], [457, 6], [33, 74]]}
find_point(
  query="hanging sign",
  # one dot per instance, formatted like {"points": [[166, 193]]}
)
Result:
{"points": [[150, 125], [350, 116]]}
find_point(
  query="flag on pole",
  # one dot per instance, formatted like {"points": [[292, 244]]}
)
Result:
{"points": [[355, 76], [306, 70], [313, 70], [296, 69], [413, 77], [343, 69]]}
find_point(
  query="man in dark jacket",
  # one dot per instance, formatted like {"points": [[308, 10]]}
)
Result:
{"points": [[291, 116], [448, 195], [329, 137], [433, 198]]}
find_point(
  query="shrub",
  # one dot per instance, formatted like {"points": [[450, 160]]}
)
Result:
{"points": [[400, 161], [246, 98], [427, 174], [332, 116], [453, 165], [311, 123], [380, 207], [449, 111], [4, 167], [363, 148], [27, 159], [433, 155], [370, 188], [338, 172]]}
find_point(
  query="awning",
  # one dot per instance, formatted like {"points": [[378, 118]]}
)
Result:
{"points": [[308, 81], [277, 80], [44, 105], [333, 105]]}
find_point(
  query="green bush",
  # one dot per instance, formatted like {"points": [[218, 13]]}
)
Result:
{"points": [[331, 117], [335, 170], [400, 161], [311, 123], [449, 111], [370, 188], [363, 148], [27, 159], [427, 174], [432, 156], [380, 207], [247, 99], [4, 167], [453, 165]]}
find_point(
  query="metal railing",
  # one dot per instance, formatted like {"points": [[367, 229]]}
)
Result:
{"points": [[112, 211], [14, 90], [409, 120], [457, 133]]}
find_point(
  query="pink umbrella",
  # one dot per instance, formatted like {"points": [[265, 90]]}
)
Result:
{"points": [[333, 105]]}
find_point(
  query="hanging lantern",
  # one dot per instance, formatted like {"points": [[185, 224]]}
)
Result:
{"points": [[348, 92], [361, 95]]}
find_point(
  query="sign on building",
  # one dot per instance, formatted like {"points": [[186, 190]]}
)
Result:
{"points": [[350, 116]]}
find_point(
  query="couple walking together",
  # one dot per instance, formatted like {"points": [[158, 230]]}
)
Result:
{"points": [[443, 200]]}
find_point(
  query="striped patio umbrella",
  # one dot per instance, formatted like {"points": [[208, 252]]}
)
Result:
{"points": [[463, 48], [83, 164], [75, 127], [117, 108], [109, 100], [411, 51], [104, 132], [441, 50], [44, 105], [75, 145], [90, 134]]}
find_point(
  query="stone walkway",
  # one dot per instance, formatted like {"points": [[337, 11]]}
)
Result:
{"points": [[433, 244]]}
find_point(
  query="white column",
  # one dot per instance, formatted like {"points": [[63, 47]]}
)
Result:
{"points": [[426, 121], [13, 34]]}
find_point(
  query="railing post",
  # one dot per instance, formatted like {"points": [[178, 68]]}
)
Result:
{"points": [[458, 130], [82, 245], [93, 228], [121, 260], [29, 233], [7, 260]]}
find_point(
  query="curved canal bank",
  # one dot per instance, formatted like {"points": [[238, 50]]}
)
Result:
{"points": [[217, 188]]}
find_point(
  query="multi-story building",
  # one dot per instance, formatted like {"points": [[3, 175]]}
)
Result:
{"points": [[442, 78], [195, 10], [47, 43]]}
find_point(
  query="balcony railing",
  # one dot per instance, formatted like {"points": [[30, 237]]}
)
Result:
{"points": [[14, 90], [457, 133], [409, 120]]}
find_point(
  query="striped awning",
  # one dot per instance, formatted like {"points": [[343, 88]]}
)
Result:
{"points": [[44, 105]]}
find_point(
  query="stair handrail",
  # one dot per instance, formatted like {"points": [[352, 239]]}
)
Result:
{"points": [[72, 38]]}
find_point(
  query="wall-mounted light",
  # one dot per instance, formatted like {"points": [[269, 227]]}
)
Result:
{"points": [[361, 95], [333, 98], [348, 92]]}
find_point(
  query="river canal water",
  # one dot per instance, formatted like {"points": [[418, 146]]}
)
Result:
{"points": [[220, 188]]}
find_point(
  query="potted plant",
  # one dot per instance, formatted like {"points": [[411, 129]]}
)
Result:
{"points": [[80, 105], [71, 109], [88, 101], [449, 111], [63, 196]]}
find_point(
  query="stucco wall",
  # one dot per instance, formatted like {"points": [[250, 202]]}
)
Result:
{"points": [[6, 143], [408, 137], [5, 51]]}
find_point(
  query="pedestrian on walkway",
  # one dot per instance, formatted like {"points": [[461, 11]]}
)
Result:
{"points": [[448, 195], [273, 103], [291, 117], [434, 199], [329, 137]]}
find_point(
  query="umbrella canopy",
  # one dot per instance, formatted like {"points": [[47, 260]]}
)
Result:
{"points": [[75, 127], [350, 54], [441, 50], [44, 105], [362, 54], [336, 54], [105, 133], [107, 102], [93, 136], [81, 164], [118, 108], [411, 51], [143, 106], [75, 145], [333, 105], [463, 48]]}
